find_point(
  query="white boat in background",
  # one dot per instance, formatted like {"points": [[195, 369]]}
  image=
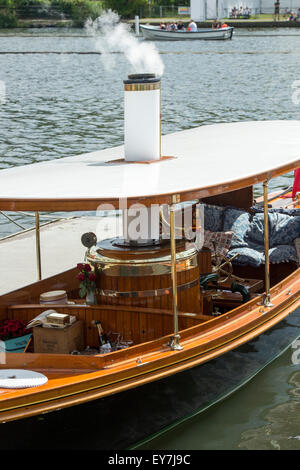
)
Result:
{"points": [[154, 32]]}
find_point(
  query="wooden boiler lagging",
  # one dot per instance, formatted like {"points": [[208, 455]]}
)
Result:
{"points": [[142, 278], [151, 291]]}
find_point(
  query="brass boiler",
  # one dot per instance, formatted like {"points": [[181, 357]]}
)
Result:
{"points": [[141, 275]]}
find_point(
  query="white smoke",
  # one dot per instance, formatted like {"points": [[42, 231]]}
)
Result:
{"points": [[111, 36]]}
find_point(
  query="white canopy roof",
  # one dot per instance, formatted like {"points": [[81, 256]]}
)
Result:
{"points": [[209, 160]]}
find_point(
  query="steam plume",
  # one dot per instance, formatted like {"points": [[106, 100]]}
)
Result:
{"points": [[112, 36]]}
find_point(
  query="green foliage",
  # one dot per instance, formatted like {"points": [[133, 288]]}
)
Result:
{"points": [[34, 9], [81, 10], [76, 10], [126, 8], [8, 18]]}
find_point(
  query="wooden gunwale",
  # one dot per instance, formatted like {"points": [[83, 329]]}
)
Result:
{"points": [[91, 204], [215, 340]]}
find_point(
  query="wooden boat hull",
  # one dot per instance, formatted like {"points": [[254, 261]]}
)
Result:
{"points": [[74, 380], [119, 421], [154, 33]]}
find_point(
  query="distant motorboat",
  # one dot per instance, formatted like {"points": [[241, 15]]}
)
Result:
{"points": [[154, 32]]}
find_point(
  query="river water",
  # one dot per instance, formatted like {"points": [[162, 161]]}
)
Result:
{"points": [[57, 100]]}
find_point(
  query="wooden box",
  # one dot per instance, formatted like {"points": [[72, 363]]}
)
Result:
{"points": [[59, 340]]}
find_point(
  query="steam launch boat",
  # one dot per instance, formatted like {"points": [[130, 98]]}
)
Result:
{"points": [[155, 33], [199, 293]]}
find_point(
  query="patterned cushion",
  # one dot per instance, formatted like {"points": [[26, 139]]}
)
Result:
{"points": [[283, 254], [247, 256], [254, 257], [238, 222], [283, 229], [213, 218], [248, 238], [221, 239], [281, 210], [297, 247]]}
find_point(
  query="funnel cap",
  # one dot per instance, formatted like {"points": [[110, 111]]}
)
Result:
{"points": [[142, 78]]}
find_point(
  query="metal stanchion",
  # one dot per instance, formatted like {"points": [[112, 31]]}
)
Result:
{"points": [[267, 299], [174, 342], [38, 245]]}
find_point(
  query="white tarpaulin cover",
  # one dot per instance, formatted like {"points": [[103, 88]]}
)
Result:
{"points": [[206, 156]]}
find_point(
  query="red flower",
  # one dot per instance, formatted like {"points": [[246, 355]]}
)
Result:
{"points": [[81, 277], [80, 266], [92, 277], [12, 329], [87, 268]]}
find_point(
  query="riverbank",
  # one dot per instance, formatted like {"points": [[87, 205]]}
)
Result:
{"points": [[250, 24], [44, 23]]}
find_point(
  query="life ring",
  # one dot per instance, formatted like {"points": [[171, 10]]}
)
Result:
{"points": [[21, 378]]}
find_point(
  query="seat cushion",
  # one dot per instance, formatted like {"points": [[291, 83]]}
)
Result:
{"points": [[213, 218], [283, 254], [297, 247], [283, 229], [247, 256], [281, 210], [222, 241], [238, 222]]}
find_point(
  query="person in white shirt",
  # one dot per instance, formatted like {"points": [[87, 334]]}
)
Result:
{"points": [[192, 26]]}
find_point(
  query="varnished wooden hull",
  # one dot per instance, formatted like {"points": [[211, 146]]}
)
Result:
{"points": [[119, 421], [74, 380]]}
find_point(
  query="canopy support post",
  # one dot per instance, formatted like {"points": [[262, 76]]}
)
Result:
{"points": [[174, 341], [267, 298], [38, 245]]}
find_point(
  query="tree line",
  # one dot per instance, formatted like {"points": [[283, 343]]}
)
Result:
{"points": [[12, 12]]}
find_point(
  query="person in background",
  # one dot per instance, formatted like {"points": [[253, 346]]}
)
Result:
{"points": [[224, 25], [173, 26], [298, 15], [180, 26], [234, 12], [292, 16], [192, 26], [277, 10], [247, 12], [162, 26], [215, 24]]}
